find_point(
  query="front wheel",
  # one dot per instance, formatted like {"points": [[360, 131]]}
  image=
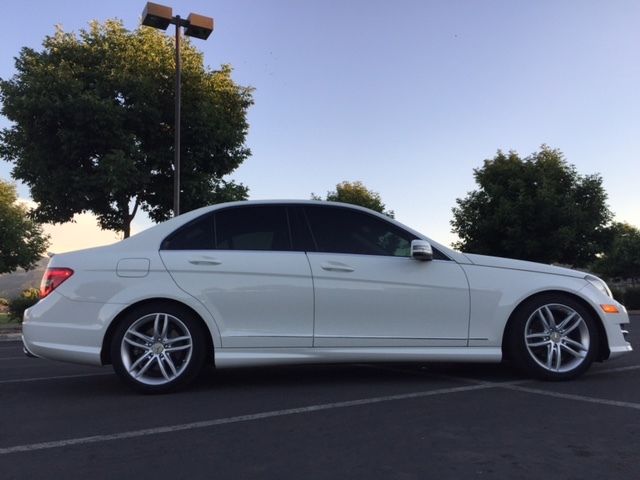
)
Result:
{"points": [[158, 348], [553, 337]]}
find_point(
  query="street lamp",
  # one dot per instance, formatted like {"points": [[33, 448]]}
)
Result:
{"points": [[198, 26]]}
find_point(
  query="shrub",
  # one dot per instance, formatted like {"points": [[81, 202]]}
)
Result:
{"points": [[618, 294], [18, 305], [632, 298]]}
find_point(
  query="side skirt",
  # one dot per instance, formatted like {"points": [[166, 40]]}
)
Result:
{"points": [[253, 357]]}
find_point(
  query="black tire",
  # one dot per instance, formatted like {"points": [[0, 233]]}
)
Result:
{"points": [[167, 370], [579, 336]]}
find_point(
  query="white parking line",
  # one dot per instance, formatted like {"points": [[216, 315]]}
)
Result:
{"points": [[59, 377], [570, 396], [22, 357], [614, 370], [241, 418]]}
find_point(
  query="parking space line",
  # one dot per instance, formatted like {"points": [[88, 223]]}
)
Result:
{"points": [[614, 370], [571, 396], [238, 419], [58, 377], [21, 357]]}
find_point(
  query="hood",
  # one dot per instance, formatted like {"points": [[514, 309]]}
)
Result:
{"points": [[499, 262]]}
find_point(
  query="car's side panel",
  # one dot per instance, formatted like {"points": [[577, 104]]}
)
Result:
{"points": [[95, 295], [369, 300], [496, 292], [258, 298]]}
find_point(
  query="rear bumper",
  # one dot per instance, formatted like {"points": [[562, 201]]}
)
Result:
{"points": [[26, 350], [57, 328]]}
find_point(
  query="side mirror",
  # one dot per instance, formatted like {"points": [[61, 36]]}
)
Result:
{"points": [[421, 250]]}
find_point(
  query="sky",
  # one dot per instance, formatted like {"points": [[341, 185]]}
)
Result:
{"points": [[406, 96]]}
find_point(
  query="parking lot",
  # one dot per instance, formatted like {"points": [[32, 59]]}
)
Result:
{"points": [[321, 422]]}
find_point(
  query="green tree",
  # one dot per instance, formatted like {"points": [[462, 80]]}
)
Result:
{"points": [[357, 194], [537, 208], [621, 259], [22, 242], [93, 124]]}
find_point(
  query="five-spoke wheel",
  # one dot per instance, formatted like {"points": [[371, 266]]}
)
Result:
{"points": [[553, 337], [158, 347]]}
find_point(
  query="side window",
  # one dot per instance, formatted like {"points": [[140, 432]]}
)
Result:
{"points": [[300, 232], [195, 235], [340, 230], [261, 227]]}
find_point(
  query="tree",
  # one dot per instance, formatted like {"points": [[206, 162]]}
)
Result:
{"points": [[621, 259], [22, 242], [357, 194], [93, 117], [538, 208]]}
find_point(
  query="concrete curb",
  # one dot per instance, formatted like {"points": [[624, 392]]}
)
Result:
{"points": [[10, 337]]}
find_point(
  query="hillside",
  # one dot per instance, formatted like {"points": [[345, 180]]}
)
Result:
{"points": [[12, 284]]}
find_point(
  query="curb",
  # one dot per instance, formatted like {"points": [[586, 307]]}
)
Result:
{"points": [[10, 337]]}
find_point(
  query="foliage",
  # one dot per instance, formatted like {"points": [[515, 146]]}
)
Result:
{"points": [[18, 305], [22, 241], [537, 208], [629, 297], [621, 259], [618, 293], [356, 193], [93, 117]]}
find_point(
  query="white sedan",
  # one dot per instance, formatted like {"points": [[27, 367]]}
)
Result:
{"points": [[284, 282]]}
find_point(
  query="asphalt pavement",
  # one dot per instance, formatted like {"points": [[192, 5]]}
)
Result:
{"points": [[391, 421]]}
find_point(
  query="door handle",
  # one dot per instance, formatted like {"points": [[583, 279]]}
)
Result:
{"points": [[336, 267], [204, 261]]}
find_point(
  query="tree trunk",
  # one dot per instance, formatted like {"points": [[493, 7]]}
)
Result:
{"points": [[126, 230]]}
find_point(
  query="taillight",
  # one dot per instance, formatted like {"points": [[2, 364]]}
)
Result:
{"points": [[52, 279]]}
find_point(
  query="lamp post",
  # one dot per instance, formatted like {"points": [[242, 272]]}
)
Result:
{"points": [[198, 26]]}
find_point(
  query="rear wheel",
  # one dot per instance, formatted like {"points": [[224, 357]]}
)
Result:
{"points": [[158, 348], [553, 337]]}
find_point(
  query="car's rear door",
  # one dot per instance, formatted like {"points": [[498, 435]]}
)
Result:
{"points": [[240, 263]]}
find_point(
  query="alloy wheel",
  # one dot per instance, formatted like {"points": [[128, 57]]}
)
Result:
{"points": [[156, 349], [557, 338]]}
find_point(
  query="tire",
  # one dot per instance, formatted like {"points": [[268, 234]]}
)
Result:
{"points": [[158, 348], [553, 337]]}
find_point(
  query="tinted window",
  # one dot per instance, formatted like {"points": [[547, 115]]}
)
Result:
{"points": [[300, 232], [195, 235], [340, 230], [252, 228]]}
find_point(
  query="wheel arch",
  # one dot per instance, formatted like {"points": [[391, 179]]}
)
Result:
{"points": [[105, 351], [603, 343]]}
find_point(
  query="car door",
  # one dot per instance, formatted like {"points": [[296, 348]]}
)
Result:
{"points": [[239, 262], [369, 292]]}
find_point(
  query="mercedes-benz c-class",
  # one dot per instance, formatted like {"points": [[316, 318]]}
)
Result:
{"points": [[291, 282]]}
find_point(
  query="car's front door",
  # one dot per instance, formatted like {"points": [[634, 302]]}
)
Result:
{"points": [[369, 292], [239, 262]]}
